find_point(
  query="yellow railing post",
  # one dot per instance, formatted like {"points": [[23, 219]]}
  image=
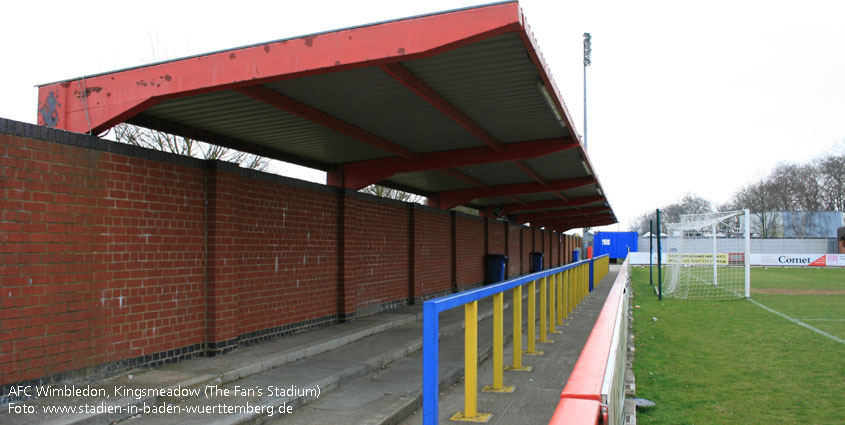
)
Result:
{"points": [[568, 292], [565, 294], [576, 286], [532, 320], [581, 286], [517, 332], [470, 412], [560, 298], [552, 303], [498, 348], [584, 284], [543, 304]]}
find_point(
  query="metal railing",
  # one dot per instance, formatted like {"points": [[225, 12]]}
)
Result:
{"points": [[561, 289], [595, 392]]}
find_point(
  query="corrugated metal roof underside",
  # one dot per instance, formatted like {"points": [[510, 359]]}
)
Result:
{"points": [[559, 165], [429, 181], [370, 99], [494, 83], [234, 115], [588, 190], [496, 174]]}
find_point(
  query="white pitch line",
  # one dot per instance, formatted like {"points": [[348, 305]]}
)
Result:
{"points": [[798, 322], [826, 320]]}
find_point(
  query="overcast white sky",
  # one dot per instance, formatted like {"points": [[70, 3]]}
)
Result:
{"points": [[684, 96]]}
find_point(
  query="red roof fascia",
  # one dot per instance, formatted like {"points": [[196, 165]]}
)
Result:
{"points": [[95, 103]]}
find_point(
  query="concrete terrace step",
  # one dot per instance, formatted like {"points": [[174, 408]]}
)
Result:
{"points": [[389, 395], [198, 372], [310, 379], [323, 358]]}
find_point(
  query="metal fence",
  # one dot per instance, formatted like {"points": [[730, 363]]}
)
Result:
{"points": [[561, 289]]}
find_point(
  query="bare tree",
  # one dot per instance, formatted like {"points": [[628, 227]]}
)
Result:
{"points": [[831, 169], [386, 192], [689, 204], [153, 139], [795, 190], [642, 224], [758, 198]]}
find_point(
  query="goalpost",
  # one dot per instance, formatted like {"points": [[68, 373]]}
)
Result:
{"points": [[708, 256]]}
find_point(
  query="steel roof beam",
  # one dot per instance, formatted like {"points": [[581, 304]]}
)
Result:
{"points": [[291, 106], [364, 173], [554, 203], [530, 171], [452, 198], [524, 218], [411, 81]]}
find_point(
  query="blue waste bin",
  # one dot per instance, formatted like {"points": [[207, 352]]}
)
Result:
{"points": [[576, 255], [536, 261], [496, 267]]}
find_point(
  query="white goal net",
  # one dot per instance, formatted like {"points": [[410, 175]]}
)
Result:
{"points": [[707, 256]]}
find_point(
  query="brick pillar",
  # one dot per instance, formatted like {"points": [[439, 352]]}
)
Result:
{"points": [[223, 261], [346, 302]]}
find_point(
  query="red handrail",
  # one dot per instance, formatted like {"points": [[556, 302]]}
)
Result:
{"points": [[580, 401]]}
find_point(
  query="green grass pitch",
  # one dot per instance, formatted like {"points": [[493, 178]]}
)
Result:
{"points": [[733, 362]]}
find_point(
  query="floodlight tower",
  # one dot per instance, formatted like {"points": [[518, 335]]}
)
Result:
{"points": [[588, 49]]}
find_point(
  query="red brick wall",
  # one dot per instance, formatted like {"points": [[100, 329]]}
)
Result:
{"points": [[496, 237], [469, 244], [285, 244], [375, 251], [568, 249], [565, 248], [432, 251], [110, 252], [102, 258], [527, 247], [514, 250]]}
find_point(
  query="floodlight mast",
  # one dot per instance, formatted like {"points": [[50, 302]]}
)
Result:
{"points": [[588, 49]]}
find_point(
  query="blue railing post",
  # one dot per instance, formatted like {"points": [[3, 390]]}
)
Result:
{"points": [[431, 360], [592, 261]]}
